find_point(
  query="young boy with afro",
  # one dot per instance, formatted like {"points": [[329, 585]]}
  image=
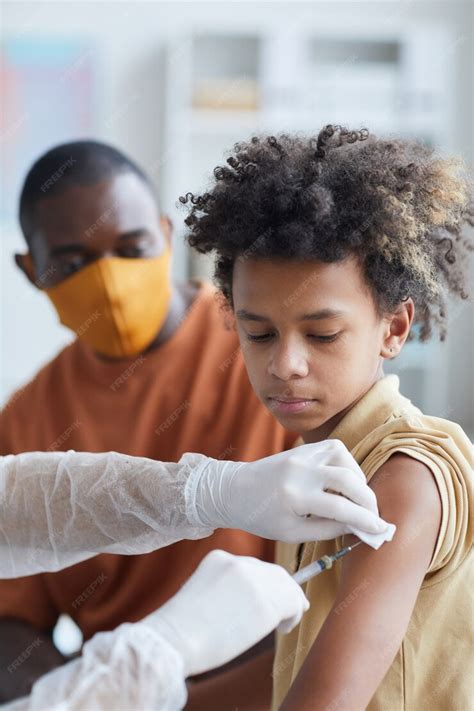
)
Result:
{"points": [[331, 252]]}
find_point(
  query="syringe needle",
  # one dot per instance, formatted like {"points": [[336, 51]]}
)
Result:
{"points": [[319, 566], [343, 551]]}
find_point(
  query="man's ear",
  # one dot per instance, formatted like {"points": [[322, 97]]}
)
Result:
{"points": [[166, 227], [397, 329], [25, 263]]}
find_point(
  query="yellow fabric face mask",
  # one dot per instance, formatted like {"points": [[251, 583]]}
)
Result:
{"points": [[116, 305]]}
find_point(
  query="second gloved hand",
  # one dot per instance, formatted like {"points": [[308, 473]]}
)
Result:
{"points": [[229, 604], [294, 496]]}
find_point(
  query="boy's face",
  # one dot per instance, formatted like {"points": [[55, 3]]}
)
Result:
{"points": [[311, 337]]}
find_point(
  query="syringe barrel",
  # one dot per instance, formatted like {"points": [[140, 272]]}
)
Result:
{"points": [[309, 571]]}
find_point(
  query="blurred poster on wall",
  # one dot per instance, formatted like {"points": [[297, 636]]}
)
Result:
{"points": [[47, 88]]}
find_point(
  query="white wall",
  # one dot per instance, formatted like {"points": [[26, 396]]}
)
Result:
{"points": [[129, 43]]}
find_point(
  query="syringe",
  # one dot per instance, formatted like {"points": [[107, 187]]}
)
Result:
{"points": [[322, 564]]}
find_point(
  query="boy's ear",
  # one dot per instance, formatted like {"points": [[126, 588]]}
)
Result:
{"points": [[25, 263], [398, 327]]}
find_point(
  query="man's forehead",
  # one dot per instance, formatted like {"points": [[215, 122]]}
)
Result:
{"points": [[123, 203]]}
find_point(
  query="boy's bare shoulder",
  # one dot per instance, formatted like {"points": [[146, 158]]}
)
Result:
{"points": [[406, 489]]}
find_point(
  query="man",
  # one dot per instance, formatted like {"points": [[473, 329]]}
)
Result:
{"points": [[153, 373]]}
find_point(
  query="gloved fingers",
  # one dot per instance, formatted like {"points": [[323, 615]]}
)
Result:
{"points": [[329, 452], [299, 604], [375, 540], [345, 511], [314, 528], [342, 457], [289, 623], [342, 481], [325, 529], [335, 480], [280, 591]]}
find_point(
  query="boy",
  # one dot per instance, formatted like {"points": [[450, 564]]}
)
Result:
{"points": [[329, 250]]}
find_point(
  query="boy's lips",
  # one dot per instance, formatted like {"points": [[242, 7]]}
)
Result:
{"points": [[289, 405]]}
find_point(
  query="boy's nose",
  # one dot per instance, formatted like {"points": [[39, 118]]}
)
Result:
{"points": [[287, 363]]}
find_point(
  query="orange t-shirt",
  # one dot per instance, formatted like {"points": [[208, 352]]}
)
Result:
{"points": [[191, 394]]}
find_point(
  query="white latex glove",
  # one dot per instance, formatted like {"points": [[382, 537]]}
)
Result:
{"points": [[229, 604], [131, 667], [292, 496], [59, 508]]}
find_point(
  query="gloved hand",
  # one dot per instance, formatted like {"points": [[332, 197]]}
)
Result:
{"points": [[229, 604], [292, 496]]}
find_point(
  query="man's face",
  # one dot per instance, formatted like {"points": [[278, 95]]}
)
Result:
{"points": [[311, 338], [116, 217]]}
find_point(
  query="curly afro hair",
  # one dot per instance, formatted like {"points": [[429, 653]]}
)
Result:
{"points": [[393, 203]]}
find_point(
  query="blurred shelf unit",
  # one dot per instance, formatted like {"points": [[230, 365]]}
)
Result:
{"points": [[225, 87]]}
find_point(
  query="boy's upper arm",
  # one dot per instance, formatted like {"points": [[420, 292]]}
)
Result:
{"points": [[376, 596]]}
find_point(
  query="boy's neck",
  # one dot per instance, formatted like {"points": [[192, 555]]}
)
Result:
{"points": [[323, 432]]}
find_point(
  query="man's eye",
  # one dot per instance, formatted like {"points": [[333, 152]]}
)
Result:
{"points": [[259, 338], [323, 339], [134, 250], [131, 252], [72, 266]]}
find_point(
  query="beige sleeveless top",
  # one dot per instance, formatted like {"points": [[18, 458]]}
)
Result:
{"points": [[433, 668]]}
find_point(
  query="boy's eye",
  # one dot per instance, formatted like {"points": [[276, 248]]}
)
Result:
{"points": [[324, 339], [259, 338]]}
